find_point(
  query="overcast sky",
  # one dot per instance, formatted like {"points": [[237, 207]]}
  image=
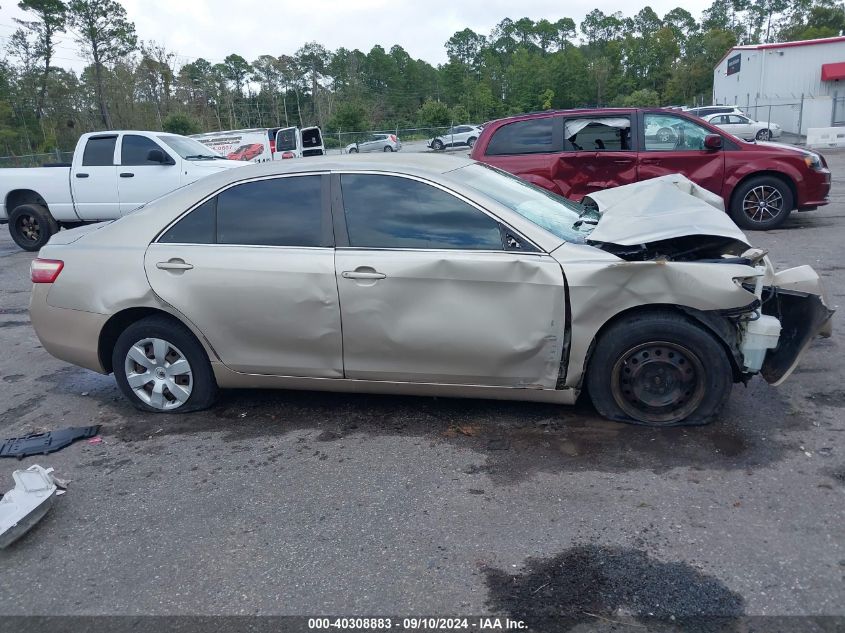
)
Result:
{"points": [[214, 28]]}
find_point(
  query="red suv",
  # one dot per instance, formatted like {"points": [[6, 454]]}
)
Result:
{"points": [[576, 152]]}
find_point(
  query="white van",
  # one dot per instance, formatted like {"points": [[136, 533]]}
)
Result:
{"points": [[260, 145]]}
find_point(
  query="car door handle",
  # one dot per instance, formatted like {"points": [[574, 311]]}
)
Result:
{"points": [[623, 161], [127, 174], [650, 161], [82, 175], [362, 274], [174, 264]]}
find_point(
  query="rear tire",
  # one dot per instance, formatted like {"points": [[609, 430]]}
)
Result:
{"points": [[167, 366], [761, 203], [31, 226], [764, 135], [659, 369], [387, 148]]}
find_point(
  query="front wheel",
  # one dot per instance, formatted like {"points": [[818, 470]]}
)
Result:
{"points": [[161, 367], [764, 135], [761, 203], [31, 226], [353, 150], [659, 369], [437, 145], [471, 142]]}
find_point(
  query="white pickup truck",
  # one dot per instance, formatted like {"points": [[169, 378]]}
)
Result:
{"points": [[112, 173]]}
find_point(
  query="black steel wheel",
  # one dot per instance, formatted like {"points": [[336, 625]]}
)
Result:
{"points": [[659, 369]]}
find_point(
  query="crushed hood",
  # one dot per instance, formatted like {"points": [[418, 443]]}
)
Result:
{"points": [[660, 209]]}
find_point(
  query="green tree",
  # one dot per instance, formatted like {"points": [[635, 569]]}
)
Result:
{"points": [[349, 117], [434, 114], [50, 19], [181, 124], [105, 35]]}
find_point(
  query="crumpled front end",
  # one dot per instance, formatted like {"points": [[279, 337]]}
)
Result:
{"points": [[796, 298]]}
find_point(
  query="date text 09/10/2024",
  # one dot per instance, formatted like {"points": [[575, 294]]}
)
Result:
{"points": [[417, 624]]}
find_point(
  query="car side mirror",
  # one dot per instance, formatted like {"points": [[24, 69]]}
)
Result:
{"points": [[158, 156], [712, 142]]}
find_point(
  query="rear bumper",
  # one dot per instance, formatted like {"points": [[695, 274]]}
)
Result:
{"points": [[69, 335]]}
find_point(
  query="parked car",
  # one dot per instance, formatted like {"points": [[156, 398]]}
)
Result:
{"points": [[745, 127], [111, 174], [425, 275], [457, 136], [376, 143], [703, 111], [577, 152], [265, 143]]}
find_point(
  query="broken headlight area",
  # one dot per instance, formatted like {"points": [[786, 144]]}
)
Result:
{"points": [[689, 248]]}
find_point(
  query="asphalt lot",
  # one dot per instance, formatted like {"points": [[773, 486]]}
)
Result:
{"points": [[308, 503]]}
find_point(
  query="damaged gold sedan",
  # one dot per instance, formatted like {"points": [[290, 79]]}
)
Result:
{"points": [[432, 275]]}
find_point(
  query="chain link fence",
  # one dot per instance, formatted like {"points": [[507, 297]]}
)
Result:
{"points": [[413, 138], [36, 160]]}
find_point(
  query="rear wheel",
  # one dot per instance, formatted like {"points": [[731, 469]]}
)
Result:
{"points": [[666, 135], [764, 135], [761, 203], [161, 367], [659, 369], [31, 226], [387, 148]]}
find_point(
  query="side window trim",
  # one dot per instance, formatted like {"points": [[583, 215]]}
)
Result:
{"points": [[326, 229], [341, 233]]}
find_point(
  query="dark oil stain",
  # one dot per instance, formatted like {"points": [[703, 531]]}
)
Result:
{"points": [[513, 440], [15, 413], [5, 324], [13, 378], [592, 583]]}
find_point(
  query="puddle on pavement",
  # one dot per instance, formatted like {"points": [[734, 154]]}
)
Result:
{"points": [[591, 583]]}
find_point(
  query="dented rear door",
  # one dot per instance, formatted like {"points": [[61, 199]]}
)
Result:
{"points": [[429, 293]]}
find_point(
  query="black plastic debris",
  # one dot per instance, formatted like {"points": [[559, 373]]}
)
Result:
{"points": [[43, 443]]}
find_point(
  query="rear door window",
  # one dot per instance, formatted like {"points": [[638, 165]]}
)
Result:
{"points": [[395, 212], [99, 151], [612, 134], [198, 227], [533, 136]]}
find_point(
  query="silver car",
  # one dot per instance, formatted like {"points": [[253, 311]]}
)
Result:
{"points": [[429, 275], [745, 127], [376, 143], [457, 136]]}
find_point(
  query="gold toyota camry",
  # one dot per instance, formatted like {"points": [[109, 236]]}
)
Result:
{"points": [[425, 275]]}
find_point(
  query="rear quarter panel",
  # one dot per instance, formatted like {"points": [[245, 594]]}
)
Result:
{"points": [[51, 183]]}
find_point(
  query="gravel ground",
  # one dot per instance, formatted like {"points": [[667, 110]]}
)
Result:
{"points": [[309, 503]]}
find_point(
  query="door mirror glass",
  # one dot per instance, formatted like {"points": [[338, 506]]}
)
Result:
{"points": [[713, 141], [158, 156]]}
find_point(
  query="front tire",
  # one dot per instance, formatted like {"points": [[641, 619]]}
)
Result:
{"points": [[31, 226], [471, 142], [437, 145], [761, 203], [353, 150], [161, 367], [659, 369]]}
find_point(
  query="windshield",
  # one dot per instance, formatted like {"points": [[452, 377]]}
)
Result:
{"points": [[561, 217], [190, 149]]}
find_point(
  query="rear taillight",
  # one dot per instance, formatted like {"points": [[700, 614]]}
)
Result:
{"points": [[45, 271], [288, 155], [393, 138]]}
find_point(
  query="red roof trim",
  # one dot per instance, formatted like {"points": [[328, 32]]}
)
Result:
{"points": [[757, 47], [833, 71]]}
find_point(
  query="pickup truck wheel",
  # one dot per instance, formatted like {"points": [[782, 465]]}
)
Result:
{"points": [[761, 203], [31, 226], [659, 369]]}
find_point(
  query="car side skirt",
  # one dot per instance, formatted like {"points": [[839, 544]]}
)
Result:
{"points": [[226, 378]]}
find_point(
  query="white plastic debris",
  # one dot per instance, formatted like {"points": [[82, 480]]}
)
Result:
{"points": [[27, 503]]}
